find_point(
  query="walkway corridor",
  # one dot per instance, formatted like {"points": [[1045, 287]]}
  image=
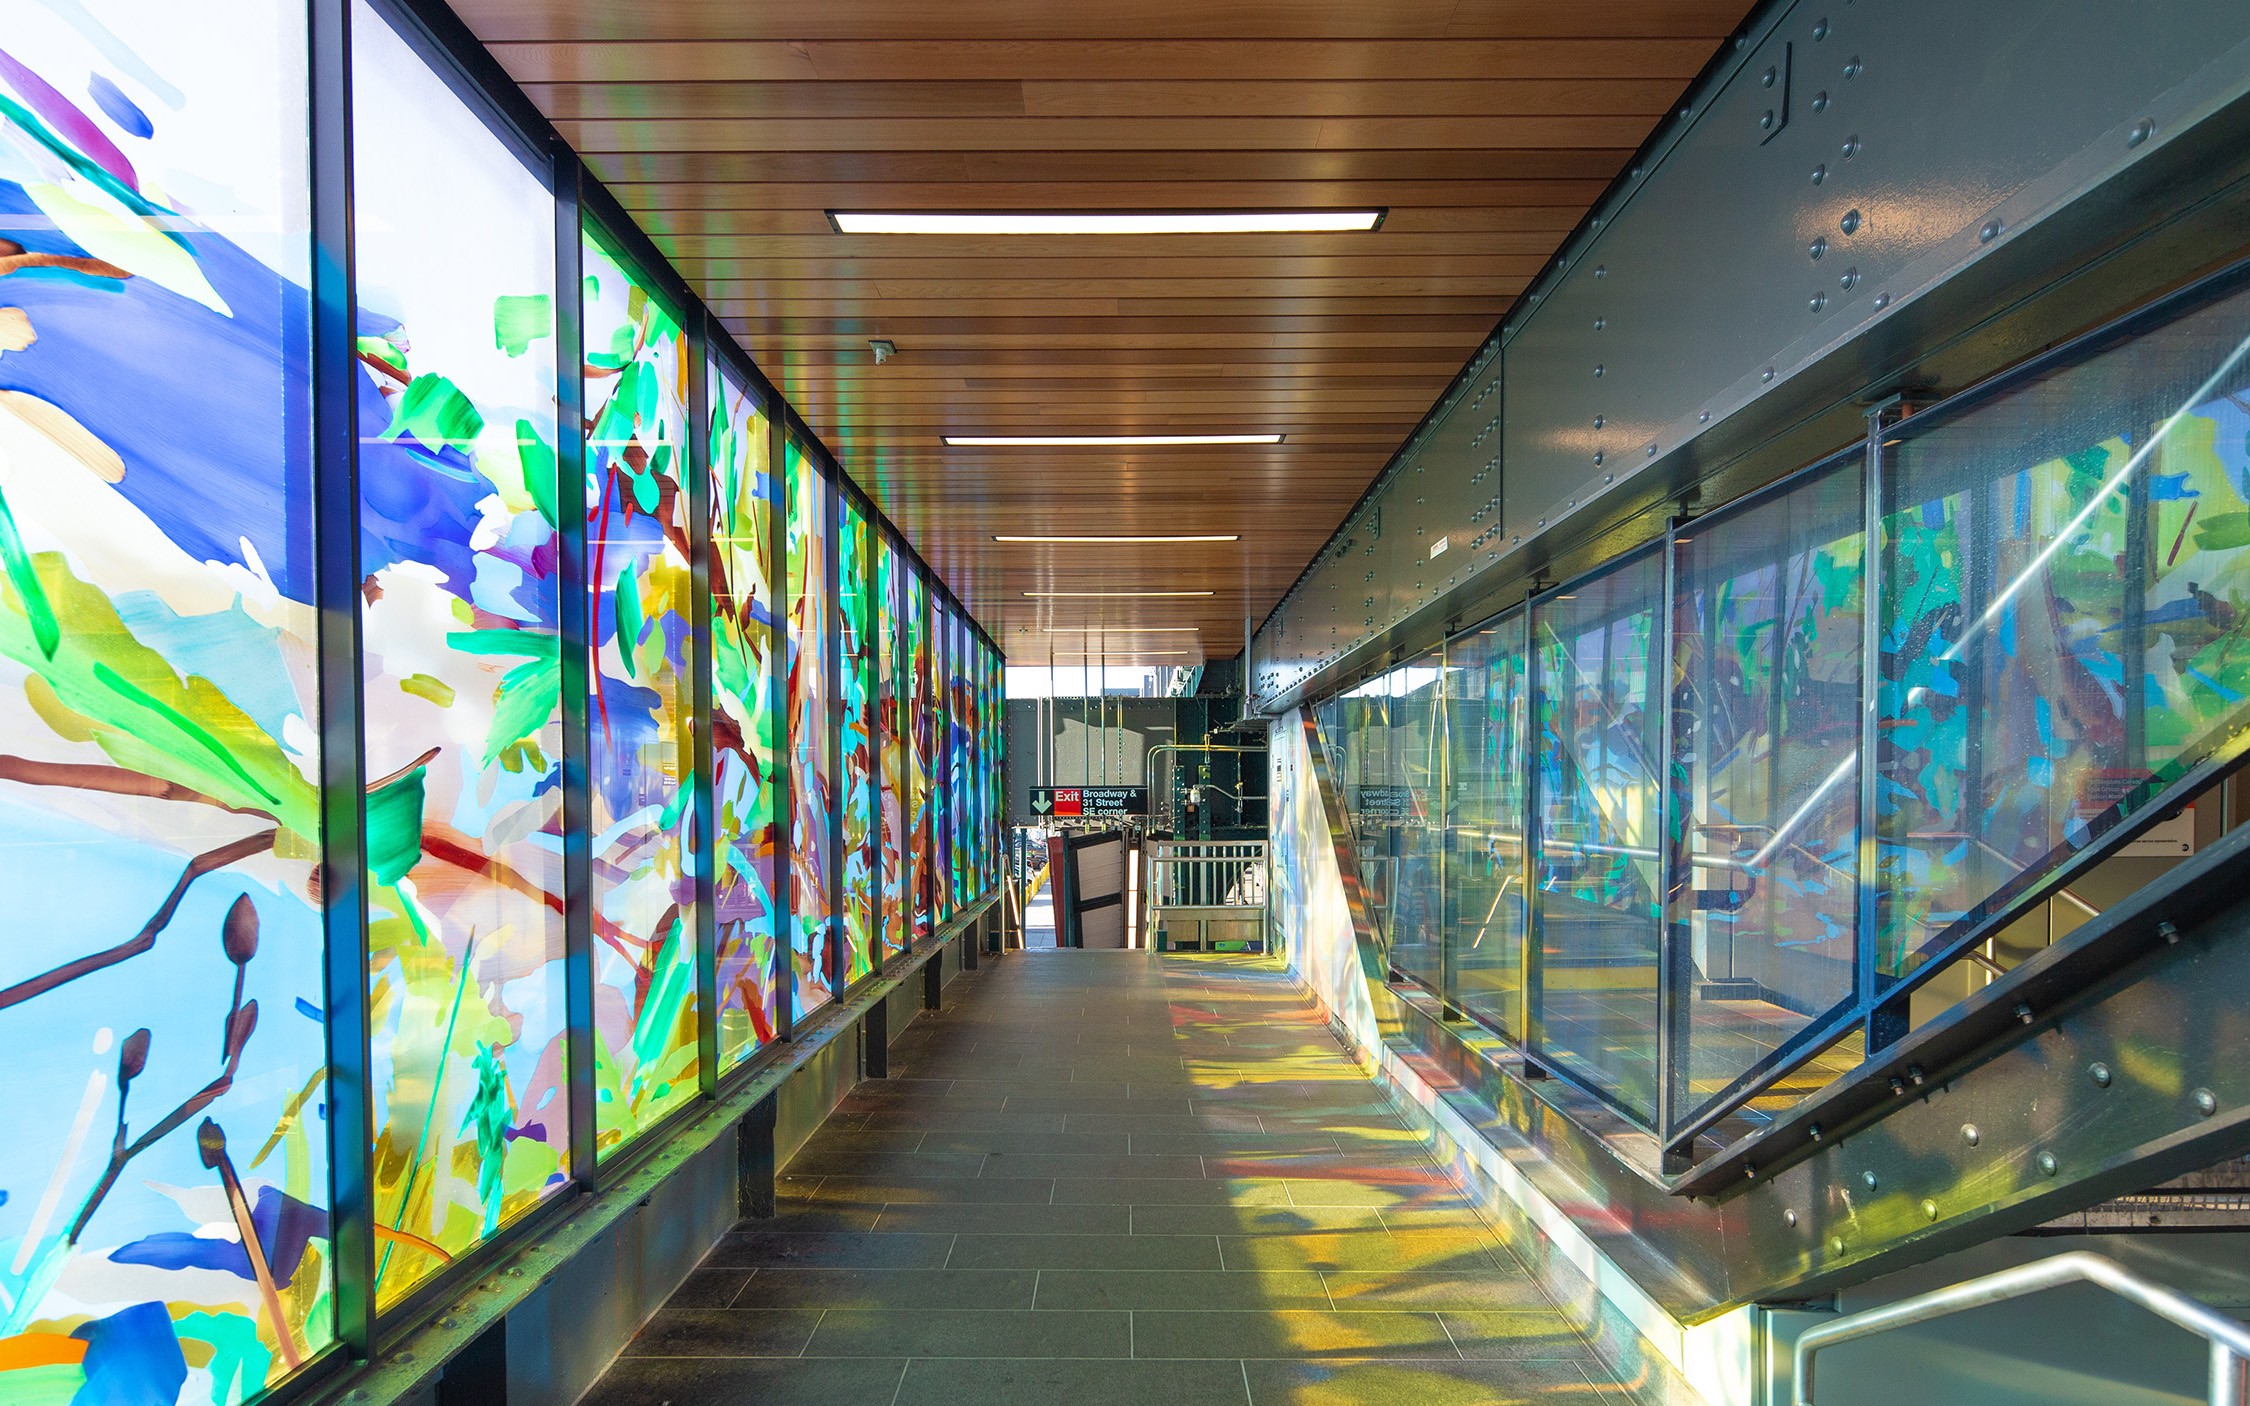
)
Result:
{"points": [[1104, 1178]]}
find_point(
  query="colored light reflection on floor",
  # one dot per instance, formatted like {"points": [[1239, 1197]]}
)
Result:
{"points": [[1115, 1177]]}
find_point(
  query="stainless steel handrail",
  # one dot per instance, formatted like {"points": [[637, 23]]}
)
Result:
{"points": [[2229, 1340]]}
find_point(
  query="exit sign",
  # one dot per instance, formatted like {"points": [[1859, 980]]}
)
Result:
{"points": [[1089, 802]]}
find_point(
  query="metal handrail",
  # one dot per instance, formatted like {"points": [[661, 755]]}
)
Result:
{"points": [[2229, 1340]]}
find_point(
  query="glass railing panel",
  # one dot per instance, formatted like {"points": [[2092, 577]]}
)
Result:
{"points": [[1416, 820], [1594, 835], [2065, 569], [1767, 645], [1487, 710]]}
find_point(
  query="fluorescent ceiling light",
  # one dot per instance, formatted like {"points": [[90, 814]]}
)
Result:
{"points": [[1105, 221], [1081, 595], [1177, 537], [1124, 629], [1098, 441]]}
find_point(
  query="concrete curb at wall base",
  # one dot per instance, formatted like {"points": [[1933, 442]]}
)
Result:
{"points": [[569, 1299]]}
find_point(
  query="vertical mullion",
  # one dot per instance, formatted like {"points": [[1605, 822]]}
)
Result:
{"points": [[576, 651], [343, 762], [703, 848], [1665, 697], [1534, 957], [1866, 973], [785, 750]]}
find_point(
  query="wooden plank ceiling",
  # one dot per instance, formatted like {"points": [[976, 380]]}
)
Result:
{"points": [[1484, 126]]}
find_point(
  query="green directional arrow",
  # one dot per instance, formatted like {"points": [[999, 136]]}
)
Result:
{"points": [[1042, 802]]}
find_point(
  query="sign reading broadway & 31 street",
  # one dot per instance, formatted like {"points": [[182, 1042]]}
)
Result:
{"points": [[1089, 802]]}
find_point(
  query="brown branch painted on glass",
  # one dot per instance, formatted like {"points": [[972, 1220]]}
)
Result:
{"points": [[142, 941], [108, 780], [211, 1146], [241, 1023]]}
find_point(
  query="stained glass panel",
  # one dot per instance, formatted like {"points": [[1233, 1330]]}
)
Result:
{"points": [[922, 727], [894, 670], [812, 732], [746, 717], [164, 1225], [856, 608], [459, 546], [638, 734]]}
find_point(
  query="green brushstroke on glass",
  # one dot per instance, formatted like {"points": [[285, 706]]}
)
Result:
{"points": [[25, 578], [394, 826], [436, 413], [520, 320]]}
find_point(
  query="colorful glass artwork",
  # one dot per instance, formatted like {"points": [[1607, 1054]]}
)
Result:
{"points": [[812, 734], [856, 608], [746, 717], [164, 1224], [894, 668], [922, 781], [459, 547], [641, 583]]}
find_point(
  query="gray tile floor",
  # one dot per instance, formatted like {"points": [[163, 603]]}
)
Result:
{"points": [[1113, 1179]]}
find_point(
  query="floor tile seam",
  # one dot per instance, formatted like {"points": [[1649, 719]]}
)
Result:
{"points": [[900, 1387]]}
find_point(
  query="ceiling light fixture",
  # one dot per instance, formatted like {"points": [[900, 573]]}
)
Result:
{"points": [[1098, 441], [1176, 537], [1124, 629], [1090, 595], [1106, 221]]}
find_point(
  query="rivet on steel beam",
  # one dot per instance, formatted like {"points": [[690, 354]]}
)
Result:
{"points": [[2099, 1073], [1652, 451], [2023, 1012], [1765, 120], [1852, 67], [1600, 323], [1898, 1087], [2142, 131], [1835, 1244], [1818, 247], [2046, 1164], [1820, 173], [1766, 375], [1914, 1075], [1850, 223], [1600, 420], [1869, 1178], [1990, 231], [1848, 280], [1929, 1209], [1970, 1135], [1703, 418], [1601, 270], [1819, 30], [1820, 101], [2206, 1102], [1882, 301], [2169, 933], [1817, 301], [1600, 370], [1597, 458], [1814, 1131], [1771, 76], [1789, 1218], [1609, 478]]}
